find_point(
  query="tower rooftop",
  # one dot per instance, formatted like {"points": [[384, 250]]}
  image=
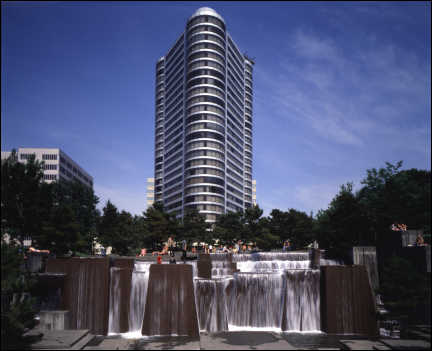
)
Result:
{"points": [[202, 11]]}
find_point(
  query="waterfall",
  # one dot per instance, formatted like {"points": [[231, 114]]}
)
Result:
{"points": [[302, 302], [221, 268], [140, 276], [210, 297], [271, 291], [365, 255], [114, 308], [256, 300], [271, 266]]}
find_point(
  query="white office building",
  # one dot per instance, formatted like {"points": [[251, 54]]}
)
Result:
{"points": [[57, 165], [203, 122]]}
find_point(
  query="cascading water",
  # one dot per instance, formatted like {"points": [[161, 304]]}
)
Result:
{"points": [[277, 291], [210, 298], [114, 315], [140, 276], [269, 291], [256, 300], [302, 302], [366, 256]]}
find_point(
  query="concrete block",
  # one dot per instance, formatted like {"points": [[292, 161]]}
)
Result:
{"points": [[170, 305], [347, 303], [204, 269], [54, 320]]}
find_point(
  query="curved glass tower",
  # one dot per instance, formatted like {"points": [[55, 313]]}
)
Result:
{"points": [[203, 138]]}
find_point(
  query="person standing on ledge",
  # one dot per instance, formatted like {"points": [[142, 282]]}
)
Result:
{"points": [[170, 244]]}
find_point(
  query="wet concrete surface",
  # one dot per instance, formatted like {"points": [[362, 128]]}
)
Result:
{"points": [[238, 340]]}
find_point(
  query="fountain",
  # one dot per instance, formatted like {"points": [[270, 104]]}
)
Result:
{"points": [[277, 291]]}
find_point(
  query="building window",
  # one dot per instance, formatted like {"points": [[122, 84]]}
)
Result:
{"points": [[49, 157], [50, 167], [50, 177], [26, 156]]}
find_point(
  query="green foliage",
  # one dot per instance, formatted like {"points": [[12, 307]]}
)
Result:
{"points": [[392, 195], [402, 286], [120, 230], [62, 216], [159, 225], [388, 195], [59, 216], [252, 224], [229, 227], [343, 225], [267, 241], [17, 313], [194, 228], [20, 194], [293, 225]]}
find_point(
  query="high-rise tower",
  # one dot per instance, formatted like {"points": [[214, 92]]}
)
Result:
{"points": [[203, 138]]}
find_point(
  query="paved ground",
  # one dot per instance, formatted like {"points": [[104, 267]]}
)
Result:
{"points": [[82, 339]]}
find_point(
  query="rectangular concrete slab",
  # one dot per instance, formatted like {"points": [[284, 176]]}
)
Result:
{"points": [[363, 345], [112, 344], [167, 343], [244, 341], [403, 344], [59, 339]]}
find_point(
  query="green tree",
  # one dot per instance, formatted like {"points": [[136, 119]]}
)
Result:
{"points": [[344, 224], [229, 227], [21, 209], [402, 286], [61, 232], [159, 225], [194, 228], [109, 229], [17, 312], [267, 240], [300, 228], [252, 219]]}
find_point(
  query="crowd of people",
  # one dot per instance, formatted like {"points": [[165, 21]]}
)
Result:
{"points": [[170, 244], [397, 227]]}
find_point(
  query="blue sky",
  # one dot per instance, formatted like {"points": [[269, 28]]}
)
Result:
{"points": [[338, 88]]}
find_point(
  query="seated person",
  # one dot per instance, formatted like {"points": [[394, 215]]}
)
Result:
{"points": [[419, 240]]}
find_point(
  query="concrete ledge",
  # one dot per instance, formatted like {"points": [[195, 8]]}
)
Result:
{"points": [[364, 345], [403, 344]]}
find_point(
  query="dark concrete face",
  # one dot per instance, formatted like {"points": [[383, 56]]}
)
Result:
{"points": [[204, 269], [86, 291], [315, 258], [170, 306], [347, 303]]}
